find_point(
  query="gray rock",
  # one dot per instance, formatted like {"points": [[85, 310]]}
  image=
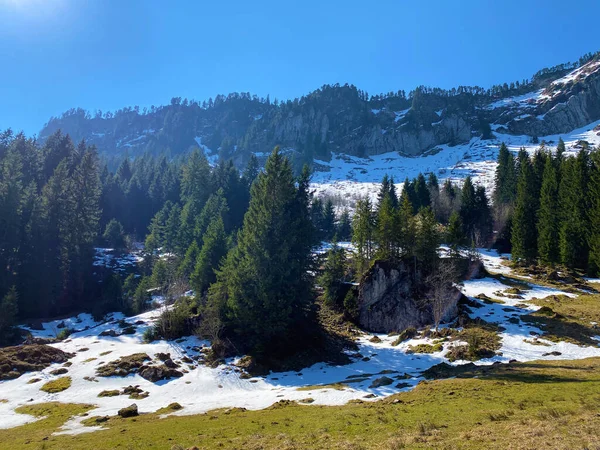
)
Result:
{"points": [[129, 411], [387, 301]]}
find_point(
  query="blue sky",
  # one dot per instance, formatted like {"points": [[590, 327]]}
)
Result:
{"points": [[106, 54]]}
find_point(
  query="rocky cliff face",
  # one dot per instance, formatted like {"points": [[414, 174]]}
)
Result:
{"points": [[388, 300], [343, 119]]}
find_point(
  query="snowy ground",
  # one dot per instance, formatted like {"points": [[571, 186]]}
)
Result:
{"points": [[349, 178], [202, 388]]}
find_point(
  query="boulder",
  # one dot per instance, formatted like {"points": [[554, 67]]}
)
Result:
{"points": [[390, 300], [129, 411], [379, 382], [157, 373]]}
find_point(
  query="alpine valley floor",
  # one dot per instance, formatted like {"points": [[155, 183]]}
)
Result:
{"points": [[541, 389]]}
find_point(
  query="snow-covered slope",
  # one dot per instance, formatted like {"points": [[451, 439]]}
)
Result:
{"points": [[347, 178], [202, 388]]}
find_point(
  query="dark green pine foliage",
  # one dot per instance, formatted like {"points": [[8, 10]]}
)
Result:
{"points": [[594, 214], [454, 234], [386, 229], [328, 220], [264, 290], [185, 269], [468, 209], [344, 226], [8, 319], [548, 215], [384, 190], [524, 232], [427, 240], [574, 203], [332, 278], [422, 197], [483, 222], [214, 249], [363, 232], [11, 191], [505, 179], [114, 235], [407, 234], [408, 192]]}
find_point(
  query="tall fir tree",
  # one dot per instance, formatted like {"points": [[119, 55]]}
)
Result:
{"points": [[214, 249], [524, 232], [548, 219], [574, 203], [264, 288]]}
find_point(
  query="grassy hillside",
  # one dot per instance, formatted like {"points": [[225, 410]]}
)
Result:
{"points": [[550, 404]]}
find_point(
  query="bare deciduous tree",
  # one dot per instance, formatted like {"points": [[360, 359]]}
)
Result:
{"points": [[440, 293]]}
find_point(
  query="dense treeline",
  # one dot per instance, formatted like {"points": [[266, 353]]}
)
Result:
{"points": [[57, 202], [548, 207], [49, 214]]}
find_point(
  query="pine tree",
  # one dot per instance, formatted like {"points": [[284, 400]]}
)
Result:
{"points": [[344, 226], [408, 193], [427, 239], [10, 308], [524, 232], [363, 232], [113, 235], [548, 220], [454, 234], [214, 249], [594, 214], [423, 200], [263, 289], [328, 220], [505, 180], [407, 233], [483, 221], [468, 209], [188, 263], [574, 205], [386, 227], [384, 190], [11, 191], [195, 179], [333, 275]]}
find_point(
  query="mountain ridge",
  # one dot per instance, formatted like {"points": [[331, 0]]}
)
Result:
{"points": [[345, 120]]}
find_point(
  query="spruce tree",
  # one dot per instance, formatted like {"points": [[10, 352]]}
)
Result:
{"points": [[468, 208], [594, 214], [10, 308], [524, 232], [332, 278], [505, 180], [407, 234], [427, 239], [455, 235], [187, 265], [214, 249], [344, 226], [574, 203], [386, 227], [483, 221], [548, 219], [422, 197], [328, 220], [264, 289], [363, 232]]}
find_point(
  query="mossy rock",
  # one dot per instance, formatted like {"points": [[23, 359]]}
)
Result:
{"points": [[15, 361], [129, 411], [112, 393], [123, 366], [379, 382], [58, 385]]}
